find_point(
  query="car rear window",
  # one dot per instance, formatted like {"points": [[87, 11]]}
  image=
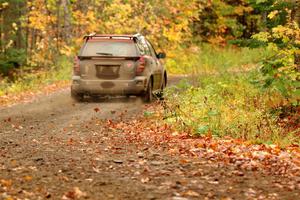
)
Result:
{"points": [[113, 48]]}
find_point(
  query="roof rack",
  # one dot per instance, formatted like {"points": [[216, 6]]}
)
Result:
{"points": [[111, 36]]}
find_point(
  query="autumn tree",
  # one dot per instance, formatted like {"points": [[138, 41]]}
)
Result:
{"points": [[282, 38]]}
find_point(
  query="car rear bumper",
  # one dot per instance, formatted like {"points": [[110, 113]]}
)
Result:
{"points": [[109, 87]]}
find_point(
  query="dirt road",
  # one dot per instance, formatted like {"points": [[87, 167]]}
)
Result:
{"points": [[53, 148]]}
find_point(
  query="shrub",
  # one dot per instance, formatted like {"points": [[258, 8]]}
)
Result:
{"points": [[223, 98], [11, 59]]}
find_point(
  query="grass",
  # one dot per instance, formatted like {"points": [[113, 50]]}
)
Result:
{"points": [[208, 59], [223, 101], [36, 80]]}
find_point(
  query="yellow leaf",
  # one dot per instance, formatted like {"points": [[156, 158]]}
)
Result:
{"points": [[273, 14], [27, 178]]}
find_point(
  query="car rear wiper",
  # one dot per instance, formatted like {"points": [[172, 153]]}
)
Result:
{"points": [[105, 54]]}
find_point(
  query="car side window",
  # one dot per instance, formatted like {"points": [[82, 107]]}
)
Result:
{"points": [[143, 47], [153, 54], [140, 47]]}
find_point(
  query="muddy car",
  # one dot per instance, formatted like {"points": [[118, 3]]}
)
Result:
{"points": [[118, 65]]}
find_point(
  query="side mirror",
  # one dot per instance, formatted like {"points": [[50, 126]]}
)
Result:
{"points": [[161, 55]]}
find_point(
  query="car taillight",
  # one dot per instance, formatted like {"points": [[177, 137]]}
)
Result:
{"points": [[76, 68], [141, 65]]}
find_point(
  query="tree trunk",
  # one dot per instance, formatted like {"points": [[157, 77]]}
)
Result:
{"points": [[58, 3], [295, 17], [19, 42], [67, 21], [1, 31]]}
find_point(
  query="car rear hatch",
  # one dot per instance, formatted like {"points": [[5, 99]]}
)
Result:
{"points": [[108, 59]]}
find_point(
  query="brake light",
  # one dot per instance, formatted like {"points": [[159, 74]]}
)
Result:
{"points": [[141, 65], [76, 68]]}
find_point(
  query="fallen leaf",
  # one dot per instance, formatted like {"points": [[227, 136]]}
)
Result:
{"points": [[145, 180], [191, 193], [75, 193], [6, 183], [118, 161], [96, 170], [27, 178]]}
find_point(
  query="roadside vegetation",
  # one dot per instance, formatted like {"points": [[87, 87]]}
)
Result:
{"points": [[224, 97], [31, 81], [241, 57], [211, 59], [249, 93]]}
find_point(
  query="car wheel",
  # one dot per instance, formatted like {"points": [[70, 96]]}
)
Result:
{"points": [[147, 97], [77, 97]]}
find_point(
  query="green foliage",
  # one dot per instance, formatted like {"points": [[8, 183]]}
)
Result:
{"points": [[222, 20], [280, 71], [226, 105], [11, 59], [225, 99], [34, 81], [208, 59], [274, 12]]}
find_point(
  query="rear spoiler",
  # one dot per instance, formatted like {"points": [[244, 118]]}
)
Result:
{"points": [[117, 57], [106, 36]]}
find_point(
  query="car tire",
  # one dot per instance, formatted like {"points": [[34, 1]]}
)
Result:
{"points": [[160, 95], [148, 97], [77, 97]]}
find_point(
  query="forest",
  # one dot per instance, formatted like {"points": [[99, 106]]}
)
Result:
{"points": [[225, 127], [259, 39]]}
